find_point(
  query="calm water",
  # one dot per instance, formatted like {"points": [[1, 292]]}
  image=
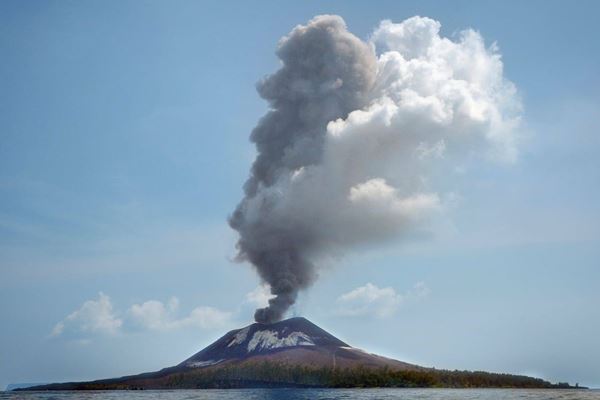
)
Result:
{"points": [[313, 394]]}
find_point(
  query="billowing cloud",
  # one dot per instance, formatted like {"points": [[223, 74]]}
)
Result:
{"points": [[94, 316], [154, 315], [371, 300], [98, 317], [361, 141]]}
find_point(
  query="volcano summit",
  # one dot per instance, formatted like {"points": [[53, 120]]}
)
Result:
{"points": [[294, 353]]}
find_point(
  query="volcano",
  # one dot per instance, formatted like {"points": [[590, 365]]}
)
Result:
{"points": [[293, 353], [295, 341]]}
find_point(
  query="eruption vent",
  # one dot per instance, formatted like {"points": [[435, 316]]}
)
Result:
{"points": [[356, 139]]}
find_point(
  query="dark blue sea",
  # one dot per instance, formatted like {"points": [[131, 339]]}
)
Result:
{"points": [[314, 394]]}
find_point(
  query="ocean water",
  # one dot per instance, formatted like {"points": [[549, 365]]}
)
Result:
{"points": [[314, 394]]}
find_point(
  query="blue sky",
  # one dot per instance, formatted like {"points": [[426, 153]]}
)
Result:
{"points": [[124, 146]]}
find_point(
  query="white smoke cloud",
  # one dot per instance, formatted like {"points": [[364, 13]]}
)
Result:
{"points": [[259, 296], [362, 138]]}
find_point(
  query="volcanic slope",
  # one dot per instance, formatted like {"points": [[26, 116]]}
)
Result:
{"points": [[294, 341]]}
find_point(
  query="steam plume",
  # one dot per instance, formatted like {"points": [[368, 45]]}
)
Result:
{"points": [[356, 139]]}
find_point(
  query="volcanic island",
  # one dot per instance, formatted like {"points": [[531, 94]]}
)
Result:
{"points": [[297, 353]]}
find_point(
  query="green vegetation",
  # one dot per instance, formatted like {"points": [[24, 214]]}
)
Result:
{"points": [[278, 374]]}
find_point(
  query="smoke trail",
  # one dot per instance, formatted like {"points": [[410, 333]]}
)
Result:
{"points": [[347, 152]]}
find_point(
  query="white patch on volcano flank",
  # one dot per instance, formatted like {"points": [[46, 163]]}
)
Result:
{"points": [[356, 349], [270, 340], [239, 337], [198, 364]]}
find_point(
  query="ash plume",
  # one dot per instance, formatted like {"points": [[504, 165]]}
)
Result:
{"points": [[358, 138]]}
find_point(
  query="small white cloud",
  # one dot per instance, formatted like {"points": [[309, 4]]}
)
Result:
{"points": [[154, 315], [205, 317], [419, 291], [94, 316], [370, 300], [151, 314], [260, 296], [58, 329]]}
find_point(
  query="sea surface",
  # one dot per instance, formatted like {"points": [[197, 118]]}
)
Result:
{"points": [[314, 394]]}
